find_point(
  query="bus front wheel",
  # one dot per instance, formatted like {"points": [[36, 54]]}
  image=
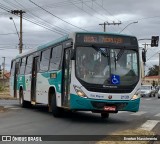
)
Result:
{"points": [[104, 115], [56, 111]]}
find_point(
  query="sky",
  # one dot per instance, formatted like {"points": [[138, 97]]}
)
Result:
{"points": [[47, 20]]}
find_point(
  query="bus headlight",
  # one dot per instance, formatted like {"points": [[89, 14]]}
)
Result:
{"points": [[136, 95], [79, 92]]}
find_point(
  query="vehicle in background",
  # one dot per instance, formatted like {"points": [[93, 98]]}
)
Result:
{"points": [[158, 93], [157, 88], [153, 91], [148, 91]]}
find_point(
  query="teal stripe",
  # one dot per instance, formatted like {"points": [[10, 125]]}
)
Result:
{"points": [[77, 102]]}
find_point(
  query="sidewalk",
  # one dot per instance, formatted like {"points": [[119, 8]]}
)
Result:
{"points": [[156, 130], [6, 95]]}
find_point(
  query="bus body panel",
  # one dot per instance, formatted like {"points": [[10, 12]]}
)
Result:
{"points": [[21, 84], [79, 103], [95, 101], [57, 84], [11, 87], [42, 87], [44, 82], [27, 92]]}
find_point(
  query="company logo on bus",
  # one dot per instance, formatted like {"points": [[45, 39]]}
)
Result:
{"points": [[110, 97]]}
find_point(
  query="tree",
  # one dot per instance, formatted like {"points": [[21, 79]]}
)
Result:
{"points": [[153, 71]]}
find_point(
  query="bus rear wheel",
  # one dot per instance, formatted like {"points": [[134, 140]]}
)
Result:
{"points": [[22, 102], [56, 111], [104, 115]]}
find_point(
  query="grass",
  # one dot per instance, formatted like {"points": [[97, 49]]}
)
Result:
{"points": [[2, 109], [5, 93], [1, 88]]}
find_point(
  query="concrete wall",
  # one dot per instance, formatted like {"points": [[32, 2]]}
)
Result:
{"points": [[4, 82]]}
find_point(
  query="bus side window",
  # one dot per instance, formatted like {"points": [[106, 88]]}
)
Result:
{"points": [[44, 63], [56, 58], [22, 65], [12, 68], [29, 64]]}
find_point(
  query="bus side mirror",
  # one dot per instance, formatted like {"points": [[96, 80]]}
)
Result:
{"points": [[144, 55], [72, 54]]}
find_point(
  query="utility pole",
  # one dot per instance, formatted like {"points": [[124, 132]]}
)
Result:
{"points": [[104, 26], [159, 71], [107, 23], [20, 13], [144, 57], [145, 50], [3, 71]]}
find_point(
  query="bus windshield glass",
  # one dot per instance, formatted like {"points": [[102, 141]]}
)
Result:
{"points": [[107, 66]]}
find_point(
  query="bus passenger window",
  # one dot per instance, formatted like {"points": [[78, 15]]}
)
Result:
{"points": [[29, 64], [44, 63], [56, 58], [22, 65]]}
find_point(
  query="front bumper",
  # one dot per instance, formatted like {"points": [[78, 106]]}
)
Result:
{"points": [[87, 104], [145, 95]]}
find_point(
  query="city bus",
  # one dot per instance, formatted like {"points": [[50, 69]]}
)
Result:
{"points": [[82, 71]]}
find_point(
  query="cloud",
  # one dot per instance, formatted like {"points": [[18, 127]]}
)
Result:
{"points": [[86, 14]]}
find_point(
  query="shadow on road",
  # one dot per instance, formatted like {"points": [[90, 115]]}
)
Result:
{"points": [[80, 117]]}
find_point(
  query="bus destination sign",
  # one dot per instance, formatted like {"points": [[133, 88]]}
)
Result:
{"points": [[105, 39]]}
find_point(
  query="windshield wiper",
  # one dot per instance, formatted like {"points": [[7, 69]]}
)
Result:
{"points": [[120, 53], [104, 52]]}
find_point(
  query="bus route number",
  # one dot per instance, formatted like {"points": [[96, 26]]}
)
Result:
{"points": [[90, 39]]}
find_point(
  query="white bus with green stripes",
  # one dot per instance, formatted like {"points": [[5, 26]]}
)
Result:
{"points": [[83, 71]]}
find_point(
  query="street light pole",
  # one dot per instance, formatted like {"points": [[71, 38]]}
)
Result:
{"points": [[127, 26], [3, 71], [14, 26]]}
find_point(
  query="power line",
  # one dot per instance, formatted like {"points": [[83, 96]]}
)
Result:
{"points": [[8, 33], [94, 10], [57, 16], [55, 5], [50, 25], [153, 55], [85, 11], [42, 26], [104, 24], [8, 10], [105, 10]]}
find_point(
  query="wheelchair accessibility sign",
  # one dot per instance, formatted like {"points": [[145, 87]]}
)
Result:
{"points": [[115, 79]]}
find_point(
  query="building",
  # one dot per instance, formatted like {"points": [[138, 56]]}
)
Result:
{"points": [[149, 80], [5, 80]]}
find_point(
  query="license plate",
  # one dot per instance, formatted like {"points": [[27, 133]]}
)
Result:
{"points": [[109, 108]]}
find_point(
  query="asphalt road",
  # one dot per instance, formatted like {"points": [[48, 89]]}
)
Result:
{"points": [[37, 121]]}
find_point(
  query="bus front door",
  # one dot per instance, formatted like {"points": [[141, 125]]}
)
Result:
{"points": [[66, 80], [16, 78], [34, 79]]}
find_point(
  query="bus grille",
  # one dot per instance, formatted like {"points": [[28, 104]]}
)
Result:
{"points": [[106, 90]]}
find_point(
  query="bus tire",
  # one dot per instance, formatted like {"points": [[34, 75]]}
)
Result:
{"points": [[104, 115], [23, 103], [56, 111]]}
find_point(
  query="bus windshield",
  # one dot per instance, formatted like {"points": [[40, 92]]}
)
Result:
{"points": [[107, 66]]}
